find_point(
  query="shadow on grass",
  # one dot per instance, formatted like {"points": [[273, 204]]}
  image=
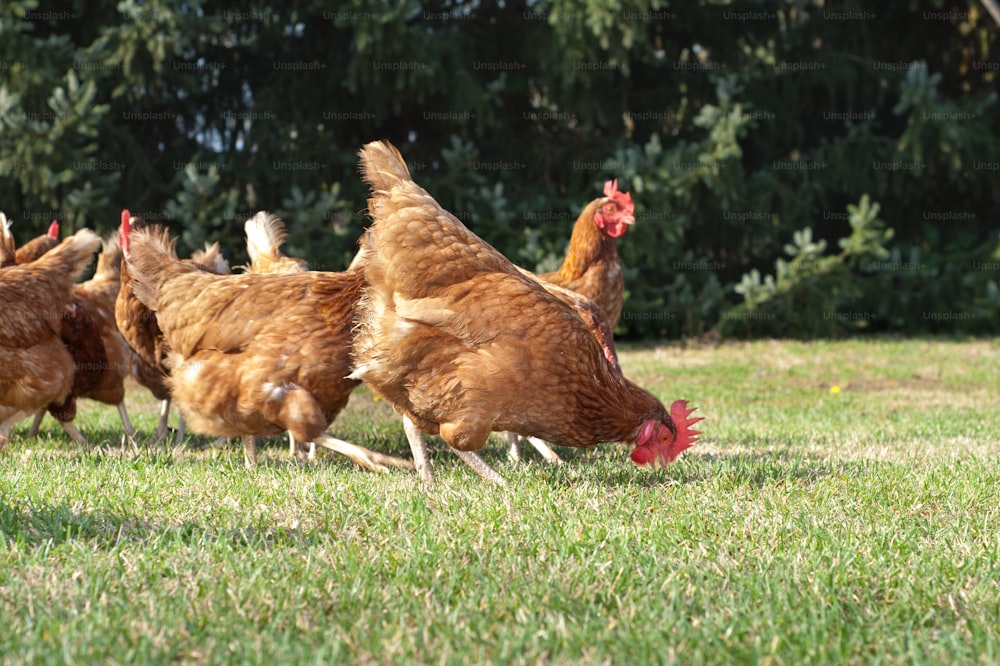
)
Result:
{"points": [[52, 526], [611, 465], [755, 470]]}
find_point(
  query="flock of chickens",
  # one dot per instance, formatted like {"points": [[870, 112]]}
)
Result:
{"points": [[460, 340]]}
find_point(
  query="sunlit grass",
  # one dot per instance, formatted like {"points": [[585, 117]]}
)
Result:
{"points": [[808, 526]]}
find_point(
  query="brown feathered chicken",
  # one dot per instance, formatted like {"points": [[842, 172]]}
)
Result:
{"points": [[592, 269], [265, 233], [592, 266], [36, 370], [463, 343], [253, 355], [37, 246], [138, 326], [100, 355]]}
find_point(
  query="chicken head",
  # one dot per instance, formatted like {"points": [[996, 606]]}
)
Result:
{"points": [[617, 212], [658, 443]]}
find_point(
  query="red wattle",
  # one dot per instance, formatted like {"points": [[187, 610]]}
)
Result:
{"points": [[615, 229], [643, 455]]}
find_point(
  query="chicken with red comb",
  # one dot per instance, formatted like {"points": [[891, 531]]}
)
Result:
{"points": [[615, 215], [463, 343], [656, 444], [593, 270]]}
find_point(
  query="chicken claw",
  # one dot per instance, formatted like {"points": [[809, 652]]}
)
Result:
{"points": [[480, 466], [514, 453], [362, 457], [423, 463], [421, 459]]}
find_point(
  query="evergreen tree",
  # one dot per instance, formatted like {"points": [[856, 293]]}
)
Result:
{"points": [[738, 128]]}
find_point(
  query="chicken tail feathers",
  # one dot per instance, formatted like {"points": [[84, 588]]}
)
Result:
{"points": [[265, 234], [110, 260], [73, 255], [6, 242], [210, 259], [152, 260], [382, 166]]}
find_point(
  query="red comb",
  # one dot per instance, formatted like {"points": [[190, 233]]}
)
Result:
{"points": [[54, 229], [623, 199], [124, 230], [668, 448]]}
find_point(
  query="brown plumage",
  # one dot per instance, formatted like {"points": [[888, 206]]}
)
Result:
{"points": [[100, 354], [210, 259], [136, 322], [593, 270], [8, 252], [463, 343], [138, 326], [35, 368], [253, 355], [39, 245], [265, 234], [592, 266]]}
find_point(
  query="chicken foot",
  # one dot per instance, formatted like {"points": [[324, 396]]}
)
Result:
{"points": [[8, 424], [362, 457], [249, 451], [422, 460], [293, 448], [514, 453], [163, 427]]}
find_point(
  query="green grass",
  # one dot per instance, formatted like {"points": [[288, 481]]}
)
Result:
{"points": [[809, 526]]}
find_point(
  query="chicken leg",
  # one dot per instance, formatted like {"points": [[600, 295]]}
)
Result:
{"points": [[249, 451], [294, 451], [36, 424], [7, 424], [362, 457], [422, 459], [514, 453], [74, 433], [418, 446], [162, 428], [127, 426]]}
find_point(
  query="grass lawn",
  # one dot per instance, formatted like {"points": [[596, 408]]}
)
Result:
{"points": [[843, 506]]}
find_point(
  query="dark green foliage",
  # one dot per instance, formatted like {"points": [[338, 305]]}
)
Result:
{"points": [[738, 128]]}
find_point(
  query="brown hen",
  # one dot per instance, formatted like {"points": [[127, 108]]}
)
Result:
{"points": [[100, 354], [592, 269], [36, 370], [592, 266], [37, 246], [463, 343], [253, 355], [138, 326]]}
